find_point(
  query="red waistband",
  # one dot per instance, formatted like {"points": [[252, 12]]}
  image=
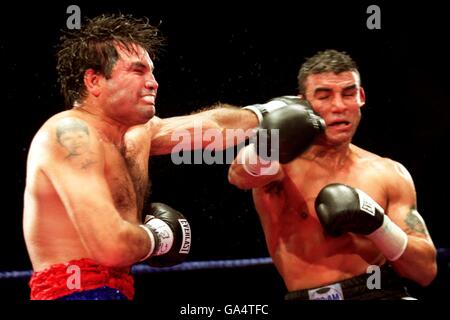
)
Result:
{"points": [[78, 275]]}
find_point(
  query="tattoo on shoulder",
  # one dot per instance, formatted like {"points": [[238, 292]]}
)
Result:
{"points": [[73, 135], [415, 222]]}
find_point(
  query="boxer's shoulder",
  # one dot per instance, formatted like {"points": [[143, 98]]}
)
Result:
{"points": [[63, 119], [65, 135], [369, 160], [388, 172]]}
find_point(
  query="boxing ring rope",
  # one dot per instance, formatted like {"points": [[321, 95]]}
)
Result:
{"points": [[185, 266], [202, 265], [442, 253]]}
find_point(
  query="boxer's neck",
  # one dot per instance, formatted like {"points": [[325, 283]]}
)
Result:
{"points": [[330, 156], [109, 129]]}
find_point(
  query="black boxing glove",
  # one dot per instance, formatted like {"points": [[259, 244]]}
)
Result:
{"points": [[171, 234], [293, 121], [263, 109], [341, 208]]}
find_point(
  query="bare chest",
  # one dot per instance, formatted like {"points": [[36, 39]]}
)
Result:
{"points": [[289, 207], [126, 172], [302, 185]]}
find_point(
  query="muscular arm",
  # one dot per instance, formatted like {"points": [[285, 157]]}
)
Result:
{"points": [[202, 129], [75, 164], [418, 262]]}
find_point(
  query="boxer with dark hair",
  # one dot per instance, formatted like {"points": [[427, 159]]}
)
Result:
{"points": [[87, 169], [87, 217], [335, 209]]}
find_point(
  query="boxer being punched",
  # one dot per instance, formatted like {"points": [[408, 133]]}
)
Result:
{"points": [[87, 169], [335, 209]]}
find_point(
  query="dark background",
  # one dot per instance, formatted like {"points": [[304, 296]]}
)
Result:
{"points": [[242, 55]]}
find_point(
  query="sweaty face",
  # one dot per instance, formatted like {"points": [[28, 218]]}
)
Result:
{"points": [[337, 98], [130, 93]]}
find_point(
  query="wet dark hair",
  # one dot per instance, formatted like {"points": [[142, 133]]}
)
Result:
{"points": [[325, 61], [93, 47]]}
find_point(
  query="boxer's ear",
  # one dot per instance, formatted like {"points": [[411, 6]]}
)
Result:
{"points": [[362, 97], [92, 81]]}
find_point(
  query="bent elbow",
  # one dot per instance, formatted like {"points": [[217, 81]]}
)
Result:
{"points": [[431, 272], [429, 277], [110, 256], [112, 252], [238, 182], [235, 179]]}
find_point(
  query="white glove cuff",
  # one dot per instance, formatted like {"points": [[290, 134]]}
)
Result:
{"points": [[390, 239], [152, 242], [266, 107], [164, 234], [254, 165], [256, 111]]}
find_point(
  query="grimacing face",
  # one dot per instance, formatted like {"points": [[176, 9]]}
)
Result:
{"points": [[337, 98], [130, 92]]}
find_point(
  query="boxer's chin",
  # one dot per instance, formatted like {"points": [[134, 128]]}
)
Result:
{"points": [[148, 111]]}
